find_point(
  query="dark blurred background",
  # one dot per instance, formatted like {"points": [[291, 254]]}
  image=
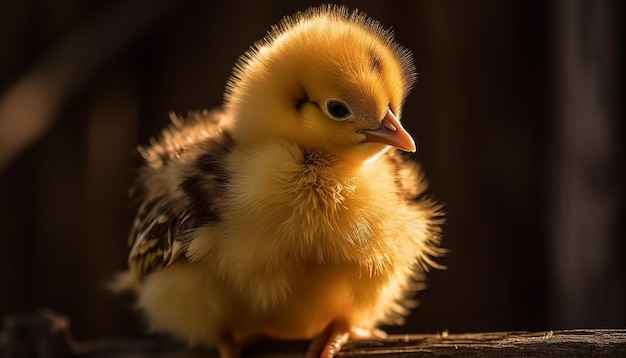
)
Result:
{"points": [[518, 116]]}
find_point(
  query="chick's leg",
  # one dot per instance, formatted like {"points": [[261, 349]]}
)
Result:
{"points": [[228, 348], [328, 343]]}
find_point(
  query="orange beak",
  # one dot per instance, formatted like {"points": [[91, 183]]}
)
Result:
{"points": [[391, 132]]}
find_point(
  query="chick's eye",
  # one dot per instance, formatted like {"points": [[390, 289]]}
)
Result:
{"points": [[338, 110]]}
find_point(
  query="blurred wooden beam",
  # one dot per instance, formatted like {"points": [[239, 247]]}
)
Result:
{"points": [[28, 108], [588, 288]]}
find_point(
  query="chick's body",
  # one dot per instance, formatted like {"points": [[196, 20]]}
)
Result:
{"points": [[286, 215]]}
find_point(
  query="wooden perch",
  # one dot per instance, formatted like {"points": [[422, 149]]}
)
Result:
{"points": [[48, 335]]}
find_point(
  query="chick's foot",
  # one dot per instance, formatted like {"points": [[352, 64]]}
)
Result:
{"points": [[328, 343]]}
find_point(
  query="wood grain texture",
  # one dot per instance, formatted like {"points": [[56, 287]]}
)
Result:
{"points": [[47, 334]]}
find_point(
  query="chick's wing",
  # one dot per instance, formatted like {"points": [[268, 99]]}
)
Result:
{"points": [[178, 188]]}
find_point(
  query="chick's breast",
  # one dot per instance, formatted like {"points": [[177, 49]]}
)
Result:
{"points": [[308, 239]]}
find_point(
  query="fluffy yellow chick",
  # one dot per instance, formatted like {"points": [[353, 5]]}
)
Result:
{"points": [[289, 212]]}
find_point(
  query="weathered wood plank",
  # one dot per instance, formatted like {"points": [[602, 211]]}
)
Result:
{"points": [[565, 343], [48, 335], [569, 343]]}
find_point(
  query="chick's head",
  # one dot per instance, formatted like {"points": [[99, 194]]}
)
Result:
{"points": [[327, 79]]}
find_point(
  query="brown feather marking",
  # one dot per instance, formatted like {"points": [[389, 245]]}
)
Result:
{"points": [[156, 235], [169, 214]]}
